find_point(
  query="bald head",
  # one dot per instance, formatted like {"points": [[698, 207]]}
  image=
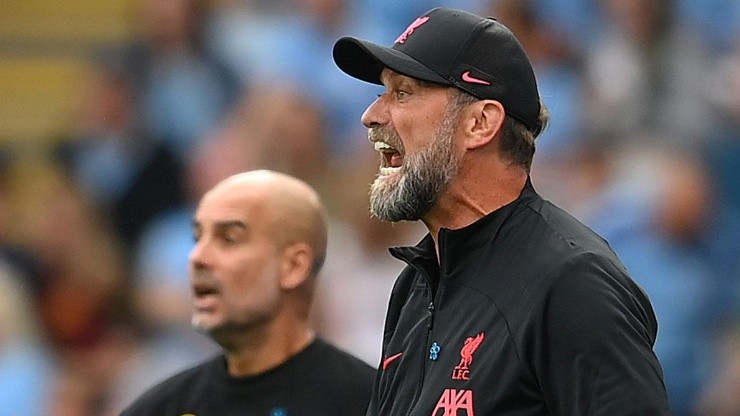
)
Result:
{"points": [[287, 206]]}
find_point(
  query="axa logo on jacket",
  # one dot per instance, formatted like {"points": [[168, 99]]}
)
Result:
{"points": [[453, 400]]}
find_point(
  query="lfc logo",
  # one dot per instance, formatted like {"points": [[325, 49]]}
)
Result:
{"points": [[453, 400], [409, 30], [462, 371]]}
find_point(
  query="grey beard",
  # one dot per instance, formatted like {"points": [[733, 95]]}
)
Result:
{"points": [[425, 176]]}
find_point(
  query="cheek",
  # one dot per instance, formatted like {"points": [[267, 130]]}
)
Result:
{"points": [[416, 130], [253, 280]]}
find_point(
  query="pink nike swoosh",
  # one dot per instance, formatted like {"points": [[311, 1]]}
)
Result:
{"points": [[390, 359], [468, 78]]}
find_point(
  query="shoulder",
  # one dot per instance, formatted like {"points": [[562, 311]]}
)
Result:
{"points": [[557, 228], [340, 380], [340, 361], [327, 364], [537, 245], [170, 391], [590, 298], [548, 241], [566, 270]]}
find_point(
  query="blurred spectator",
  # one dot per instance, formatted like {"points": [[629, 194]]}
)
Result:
{"points": [[646, 72], [292, 50], [286, 129], [574, 19], [721, 239], [721, 397], [185, 89], [724, 151], [71, 395], [25, 366], [125, 173], [82, 267], [715, 20], [556, 64], [13, 254], [379, 20], [82, 299]]}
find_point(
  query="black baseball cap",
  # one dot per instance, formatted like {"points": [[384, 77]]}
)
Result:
{"points": [[452, 47]]}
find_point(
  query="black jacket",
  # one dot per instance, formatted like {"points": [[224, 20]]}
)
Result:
{"points": [[527, 312]]}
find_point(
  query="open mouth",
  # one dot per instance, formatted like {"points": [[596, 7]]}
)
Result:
{"points": [[204, 289], [205, 296], [391, 159]]}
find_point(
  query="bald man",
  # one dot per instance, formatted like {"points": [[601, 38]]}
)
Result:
{"points": [[260, 241]]}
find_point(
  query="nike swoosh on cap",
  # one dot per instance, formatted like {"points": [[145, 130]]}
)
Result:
{"points": [[471, 79], [390, 359]]}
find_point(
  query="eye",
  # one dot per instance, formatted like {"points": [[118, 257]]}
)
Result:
{"points": [[402, 94], [233, 236], [230, 238]]}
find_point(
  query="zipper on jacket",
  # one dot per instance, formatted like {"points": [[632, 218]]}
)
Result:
{"points": [[430, 325], [427, 346], [433, 297], [429, 339]]}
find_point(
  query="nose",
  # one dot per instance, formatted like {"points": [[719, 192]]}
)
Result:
{"points": [[376, 114], [198, 257]]}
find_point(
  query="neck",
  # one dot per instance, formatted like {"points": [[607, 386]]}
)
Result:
{"points": [[474, 193], [272, 346]]}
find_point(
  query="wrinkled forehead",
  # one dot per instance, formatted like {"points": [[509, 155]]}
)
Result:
{"points": [[229, 205], [391, 77]]}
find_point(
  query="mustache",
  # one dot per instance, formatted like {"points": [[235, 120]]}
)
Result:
{"points": [[201, 280], [385, 134]]}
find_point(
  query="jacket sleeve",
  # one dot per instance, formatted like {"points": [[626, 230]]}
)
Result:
{"points": [[595, 353]]}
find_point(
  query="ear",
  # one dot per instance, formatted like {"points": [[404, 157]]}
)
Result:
{"points": [[296, 265], [482, 123]]}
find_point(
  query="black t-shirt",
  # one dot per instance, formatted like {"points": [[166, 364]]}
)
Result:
{"points": [[321, 380]]}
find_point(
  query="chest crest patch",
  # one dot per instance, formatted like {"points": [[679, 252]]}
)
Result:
{"points": [[462, 370]]}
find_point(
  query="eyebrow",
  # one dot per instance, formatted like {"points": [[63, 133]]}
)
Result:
{"points": [[230, 224], [388, 76], [223, 224]]}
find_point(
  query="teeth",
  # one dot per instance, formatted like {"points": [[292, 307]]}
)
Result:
{"points": [[388, 170], [380, 146]]}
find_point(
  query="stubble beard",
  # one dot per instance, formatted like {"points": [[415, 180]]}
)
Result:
{"points": [[423, 178], [248, 321]]}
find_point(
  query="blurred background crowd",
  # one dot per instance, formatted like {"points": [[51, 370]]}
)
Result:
{"points": [[116, 115]]}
